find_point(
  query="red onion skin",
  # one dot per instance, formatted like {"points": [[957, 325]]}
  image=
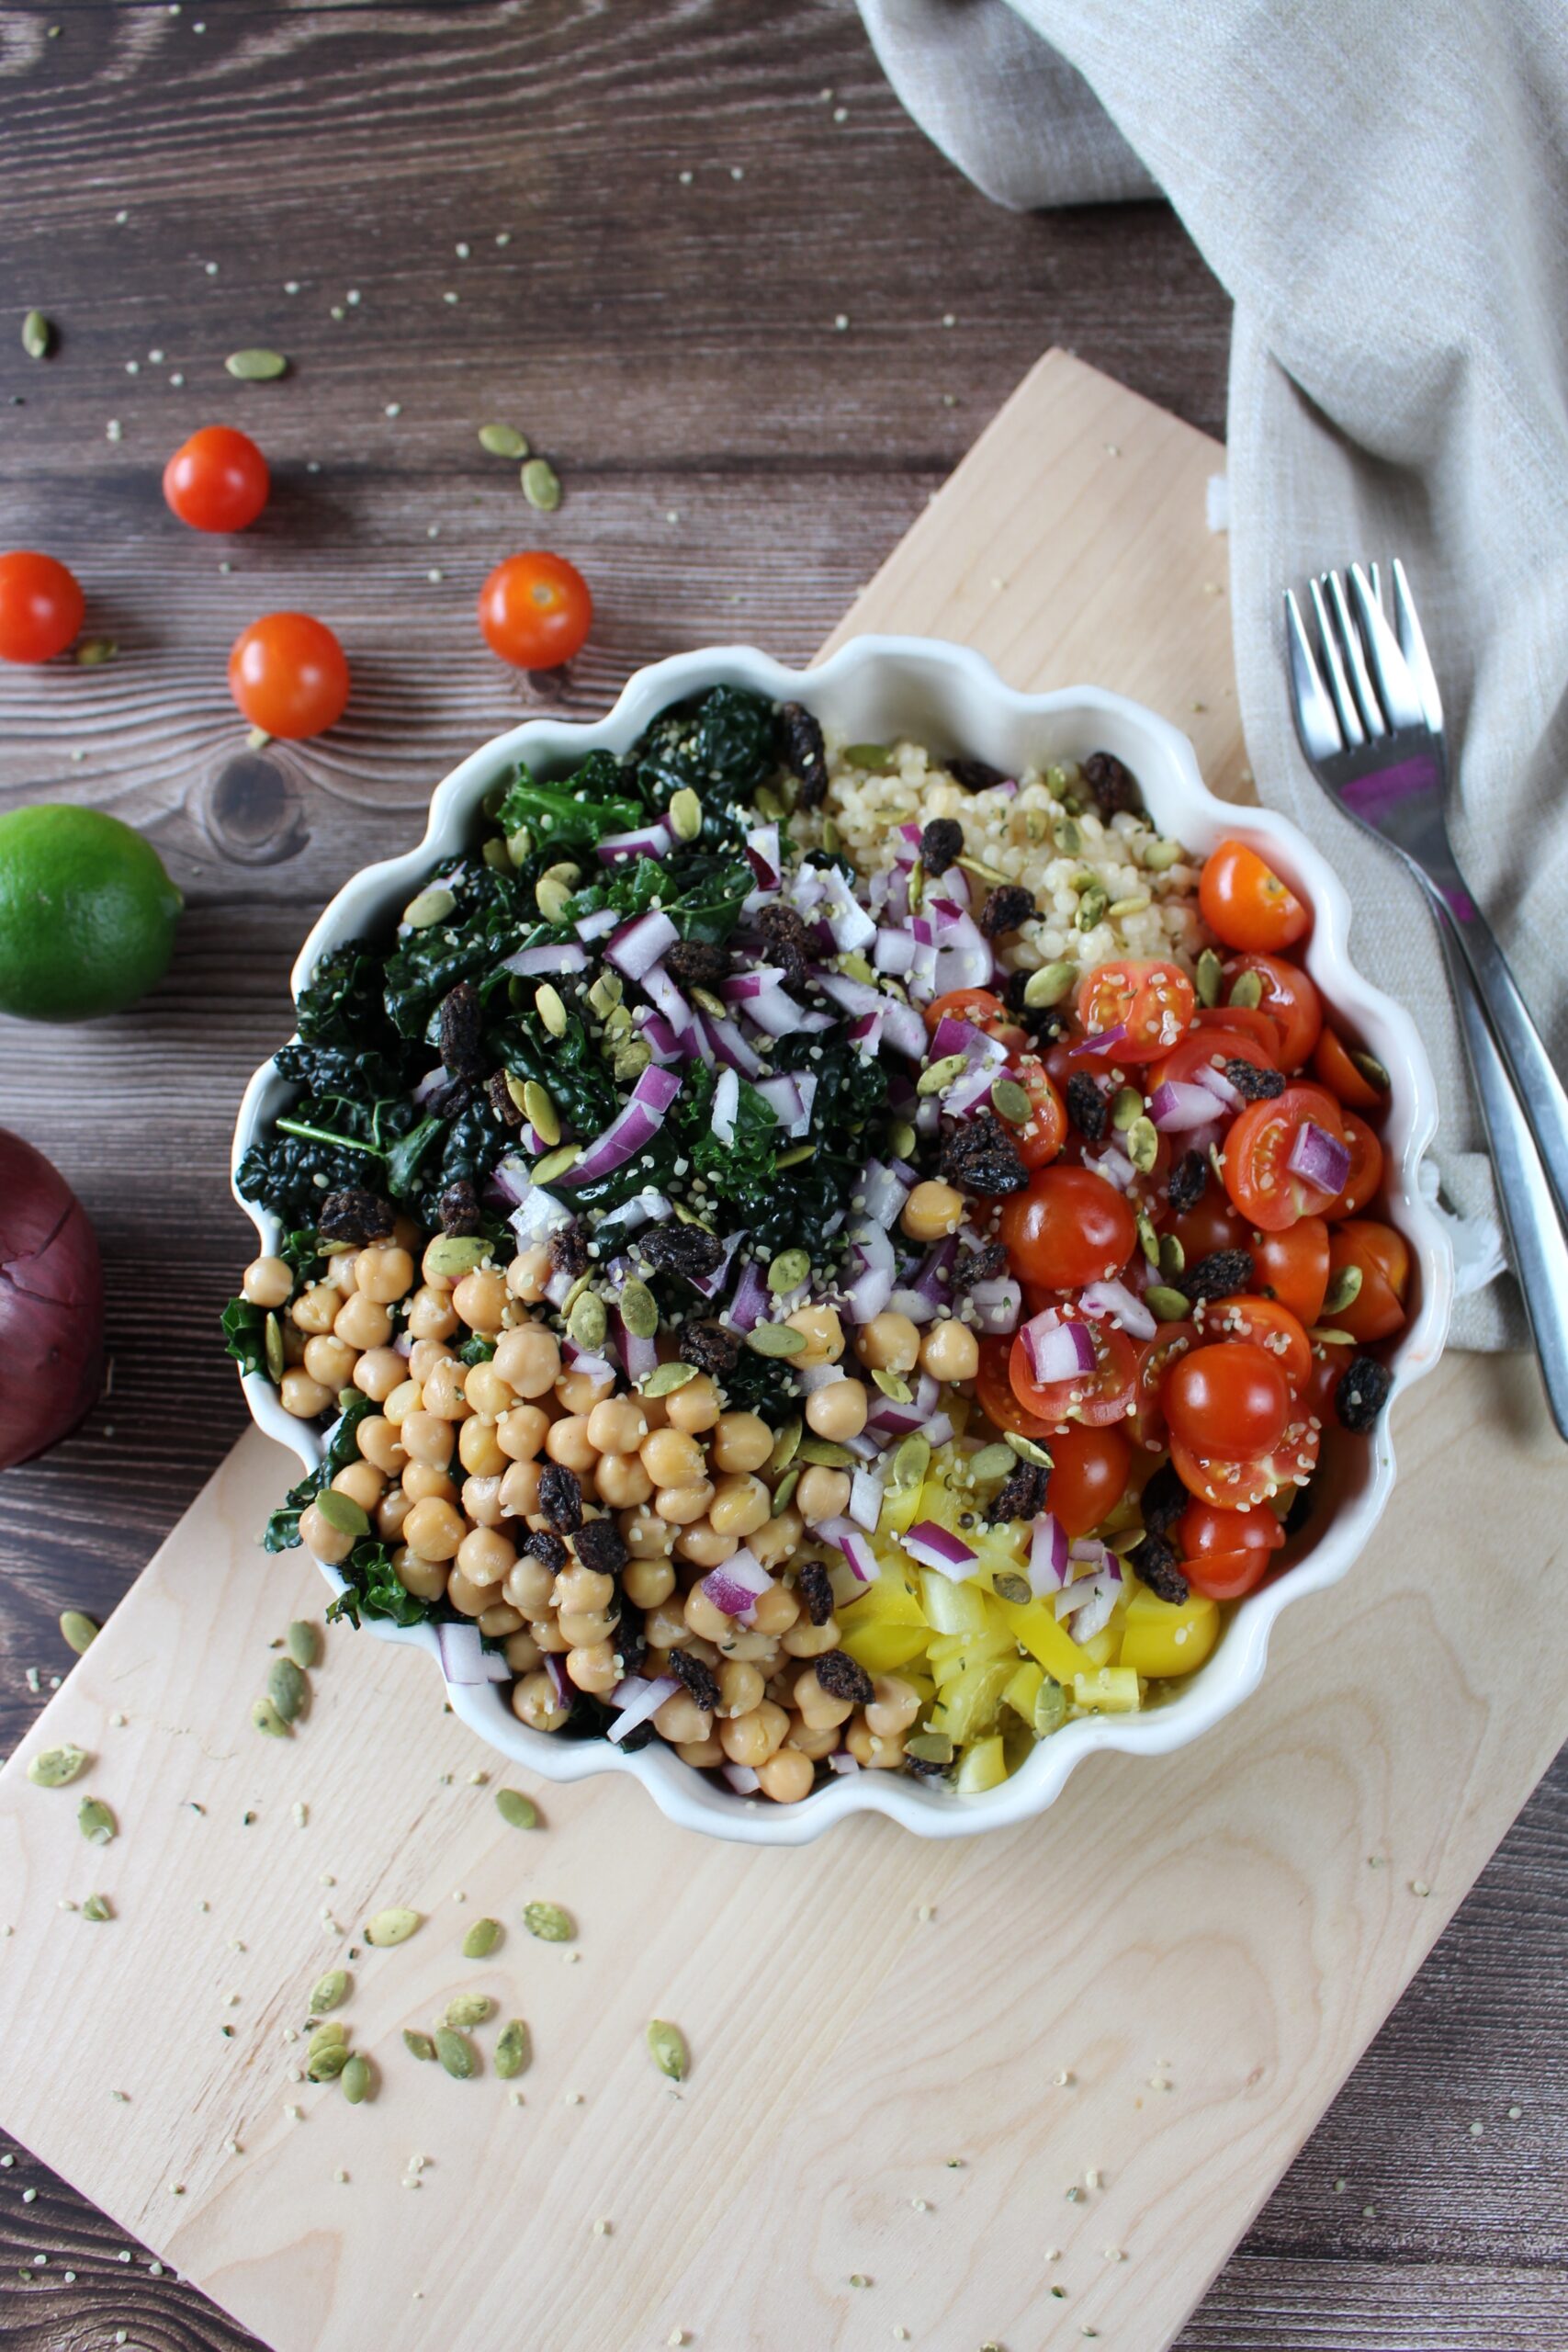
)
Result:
{"points": [[52, 1305]]}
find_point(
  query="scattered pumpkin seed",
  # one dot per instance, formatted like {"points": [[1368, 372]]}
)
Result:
{"points": [[1007, 1585], [1246, 990], [1148, 1240], [452, 1255], [1344, 1288], [901, 1139], [329, 1991], [630, 1061], [272, 1336], [1160, 854], [940, 1074], [639, 1310], [266, 1719], [417, 2045], [513, 2049], [777, 1339], [520, 846], [468, 2009], [502, 441], [80, 1632], [255, 366], [1027, 1450], [911, 1460], [587, 1322], [991, 1462], [605, 993], [1169, 1305], [1134, 905], [915, 886], [393, 1927], [786, 1445], [538, 1107], [982, 872], [1050, 1708], [685, 814], [828, 1454], [551, 1009], [1011, 1101], [891, 1383], [97, 1906], [1125, 1540], [556, 1163], [783, 1493], [795, 1154], [1070, 837], [1126, 1105], [1208, 977], [1049, 984], [551, 894], [516, 1810], [770, 804], [1371, 1069], [829, 835], [455, 2053], [1141, 1143], [95, 1821], [1324, 1335], [287, 1687], [38, 335], [304, 1642], [541, 485], [931, 1747], [714, 1006], [356, 2079], [877, 757], [326, 2063], [664, 1377], [667, 2045], [788, 1271], [429, 906], [1093, 907], [94, 651], [477, 1944], [1172, 1257], [340, 1511], [549, 1922]]}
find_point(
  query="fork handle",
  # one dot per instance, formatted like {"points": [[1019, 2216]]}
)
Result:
{"points": [[1538, 1248], [1540, 1088]]}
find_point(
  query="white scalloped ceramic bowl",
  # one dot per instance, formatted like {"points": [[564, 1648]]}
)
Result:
{"points": [[947, 697]]}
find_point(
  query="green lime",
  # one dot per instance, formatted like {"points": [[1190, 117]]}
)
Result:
{"points": [[86, 914]]}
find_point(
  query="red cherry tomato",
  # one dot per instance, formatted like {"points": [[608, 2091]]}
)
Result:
{"points": [[1329, 1358], [1045, 1132], [1244, 903], [1242, 1485], [1156, 1357], [983, 1007], [1266, 1323], [1366, 1170], [1210, 1049], [1089, 1470], [1249, 1020], [40, 607], [1227, 1553], [1331, 1067], [1152, 1001], [218, 481], [1097, 1398], [1256, 1155], [289, 675], [1383, 1258], [536, 610], [1292, 1266], [1232, 1400], [1289, 1000], [1211, 1224], [994, 1390], [1068, 1227]]}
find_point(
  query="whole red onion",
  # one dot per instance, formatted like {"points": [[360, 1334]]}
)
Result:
{"points": [[52, 1304]]}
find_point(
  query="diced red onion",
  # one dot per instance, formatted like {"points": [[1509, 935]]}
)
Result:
{"points": [[464, 1658], [588, 1362], [751, 1299], [403, 1344], [564, 1690], [1176, 1106], [1219, 1085], [936, 1546], [509, 1177], [1088, 1602], [789, 1097], [894, 952], [868, 1293], [595, 925], [741, 1779], [776, 1013], [854, 996], [813, 1376], [1057, 1349], [851, 927], [735, 1588], [741, 987], [535, 963], [963, 957], [640, 1210], [637, 1698], [537, 1214], [851, 1542], [647, 840], [1114, 1300], [638, 944], [865, 1497], [865, 1033], [431, 1083], [692, 1044], [907, 1300], [898, 1420], [882, 1192], [903, 1029], [1047, 1556], [965, 1037], [631, 1131], [1104, 1041], [559, 1287], [937, 1430], [842, 1760], [658, 1035], [1319, 1159], [968, 1090], [998, 1303], [906, 844], [934, 1280], [726, 1103], [638, 1354], [762, 849], [1113, 1164]]}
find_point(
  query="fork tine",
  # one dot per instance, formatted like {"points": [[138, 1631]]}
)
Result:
{"points": [[1350, 726], [1396, 687], [1413, 645], [1317, 722], [1356, 660]]}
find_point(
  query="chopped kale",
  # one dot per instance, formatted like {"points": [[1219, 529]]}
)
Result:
{"points": [[343, 1447]]}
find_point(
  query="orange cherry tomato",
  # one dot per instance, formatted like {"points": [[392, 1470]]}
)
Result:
{"points": [[1156, 1357], [1290, 1002], [536, 610], [1089, 1470], [1068, 1227], [981, 1008], [1227, 1553], [1244, 903], [1266, 1324], [1292, 1266], [1383, 1258], [1096, 1398], [1249, 1020], [994, 1390], [1231, 1399], [1256, 1155], [1242, 1485], [40, 607], [289, 675], [218, 481], [1331, 1067], [1152, 1001], [1042, 1135], [1210, 1049], [1366, 1170]]}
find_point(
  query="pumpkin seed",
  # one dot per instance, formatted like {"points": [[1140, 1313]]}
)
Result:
{"points": [[452, 1255], [1159, 855], [288, 1689], [80, 1632], [1371, 1069], [714, 1006], [1093, 907], [991, 1462], [1069, 837], [519, 847], [95, 1821], [639, 1310], [1011, 1101], [94, 651], [1324, 1335], [516, 1810], [685, 814], [783, 1493], [1009, 1586], [915, 888], [356, 2079], [502, 441], [537, 1107], [513, 2049], [393, 1927], [551, 895], [468, 2009], [304, 1642], [429, 906], [1208, 977], [255, 366], [911, 1460], [331, 1991], [631, 1061], [1049, 984], [1172, 1257], [777, 1339], [770, 804], [417, 2045], [1344, 1288], [266, 1719], [340, 1511], [455, 2053], [272, 1336], [549, 1922], [901, 1139], [796, 1154], [824, 1452], [1050, 1709], [587, 1322], [325, 2064], [541, 485], [874, 756], [664, 1377], [1033, 825], [667, 2045], [494, 853], [788, 1271], [891, 1383], [556, 1163], [97, 1906], [937, 1075], [931, 1748], [1126, 1540], [36, 335], [1141, 1143], [1148, 1240], [549, 1006], [1126, 1105], [1169, 1305], [605, 993], [1246, 990], [1134, 905], [477, 1944], [983, 873], [1027, 1451]]}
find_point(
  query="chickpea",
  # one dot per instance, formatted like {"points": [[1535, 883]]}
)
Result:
{"points": [[424, 1357], [426, 1579], [815, 1743], [521, 1432], [582, 1627], [579, 1392], [819, 1708], [775, 1611], [821, 1494], [879, 1752], [421, 1482], [740, 1687], [760, 1650], [529, 1586], [533, 1703], [567, 1442], [528, 1359], [434, 1529], [617, 1426], [527, 1275], [895, 1705], [428, 1439], [442, 1393], [318, 1535], [932, 1210], [390, 1513], [594, 1666], [702, 1545], [579, 1588], [740, 1505], [362, 1482], [361, 1324], [430, 1314], [680, 1719], [500, 1620], [950, 1351], [645, 1534], [315, 1309], [787, 1776], [299, 1395], [823, 1332], [487, 1392], [480, 1299], [548, 1636], [400, 1402], [672, 1458], [703, 1753], [776, 1541], [655, 1411], [741, 1442], [267, 1282], [340, 1272], [680, 1504], [379, 1442], [522, 1652], [648, 1582], [705, 1618], [666, 1627], [384, 1274], [471, 1599], [482, 1501], [378, 1372], [520, 1489], [839, 1410], [620, 1479], [803, 1639], [752, 1738], [694, 1407], [485, 1555], [480, 1449]]}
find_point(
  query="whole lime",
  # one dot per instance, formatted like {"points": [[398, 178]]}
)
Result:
{"points": [[86, 914]]}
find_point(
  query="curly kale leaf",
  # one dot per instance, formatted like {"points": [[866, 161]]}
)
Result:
{"points": [[470, 1147], [290, 1172], [721, 748], [343, 1447], [589, 805], [700, 891], [342, 1004], [568, 1068], [244, 1335], [493, 915], [738, 1170], [373, 1589]]}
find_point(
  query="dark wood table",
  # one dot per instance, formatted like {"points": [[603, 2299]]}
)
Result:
{"points": [[700, 256]]}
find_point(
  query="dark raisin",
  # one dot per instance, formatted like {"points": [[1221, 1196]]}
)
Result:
{"points": [[1009, 905], [1085, 1106], [815, 1589], [561, 1496], [681, 1250], [925, 1767], [982, 1265], [1044, 1023], [567, 1251], [1164, 1500], [1220, 1274], [1253, 1084], [940, 842], [843, 1676], [459, 1207], [1113, 786], [697, 965], [804, 754], [785, 941], [709, 1346], [975, 775], [1187, 1183], [1300, 1511], [541, 1543], [631, 1641], [1021, 1494], [981, 1157], [698, 1677], [460, 1029], [640, 1735], [355, 1216], [600, 1544], [1362, 1392], [1158, 1561], [498, 1095]]}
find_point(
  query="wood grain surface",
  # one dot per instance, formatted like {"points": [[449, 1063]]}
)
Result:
{"points": [[672, 347]]}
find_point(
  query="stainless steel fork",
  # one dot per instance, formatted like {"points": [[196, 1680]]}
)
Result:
{"points": [[1371, 722]]}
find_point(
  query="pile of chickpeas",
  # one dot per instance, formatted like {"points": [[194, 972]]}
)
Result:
{"points": [[449, 1470]]}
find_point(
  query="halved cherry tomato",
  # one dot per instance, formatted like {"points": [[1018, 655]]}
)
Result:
{"points": [[980, 1006], [1289, 1000], [994, 1390], [1383, 1257], [1069, 1226], [1244, 903], [536, 610], [1210, 1049], [1042, 1137], [1331, 1067], [1230, 1398], [1096, 1398], [1152, 1001], [41, 606], [1366, 1170], [1226, 1553], [1292, 1266], [1242, 1485], [218, 481], [1249, 1020], [1089, 1470], [289, 675], [1266, 1323], [1329, 1358], [1156, 1357], [1256, 1155]]}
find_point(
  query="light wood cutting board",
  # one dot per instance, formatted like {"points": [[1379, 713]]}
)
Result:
{"points": [[904, 2055]]}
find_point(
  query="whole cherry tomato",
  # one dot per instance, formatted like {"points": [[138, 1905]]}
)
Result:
{"points": [[536, 610], [1289, 1000], [1292, 1266], [1089, 1470], [1258, 1149], [1244, 903], [218, 481], [1266, 1323], [1068, 1227], [289, 675], [1231, 1399], [1227, 1553], [40, 607]]}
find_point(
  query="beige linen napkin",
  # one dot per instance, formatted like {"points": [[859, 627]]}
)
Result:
{"points": [[1384, 191]]}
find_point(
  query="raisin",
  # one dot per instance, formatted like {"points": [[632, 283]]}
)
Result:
{"points": [[631, 1640], [1157, 1562], [1021, 1494], [1164, 1500], [815, 1589], [459, 1026], [804, 754], [355, 1216], [567, 1251], [709, 1346], [1253, 1084], [1085, 1106], [982, 1265], [697, 965], [981, 1157], [459, 1207], [1009, 905], [1220, 1274], [1115, 788], [541, 1543], [600, 1545], [681, 1250], [1362, 1392], [940, 842], [698, 1677], [1187, 1183], [843, 1676], [785, 941], [975, 775], [561, 1496]]}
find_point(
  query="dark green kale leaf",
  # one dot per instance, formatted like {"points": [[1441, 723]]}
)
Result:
{"points": [[472, 1144], [568, 1068], [283, 1528], [290, 1172], [493, 915], [720, 747], [342, 1005], [589, 805], [244, 1335], [739, 1170], [373, 1589], [405, 1158], [700, 891]]}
